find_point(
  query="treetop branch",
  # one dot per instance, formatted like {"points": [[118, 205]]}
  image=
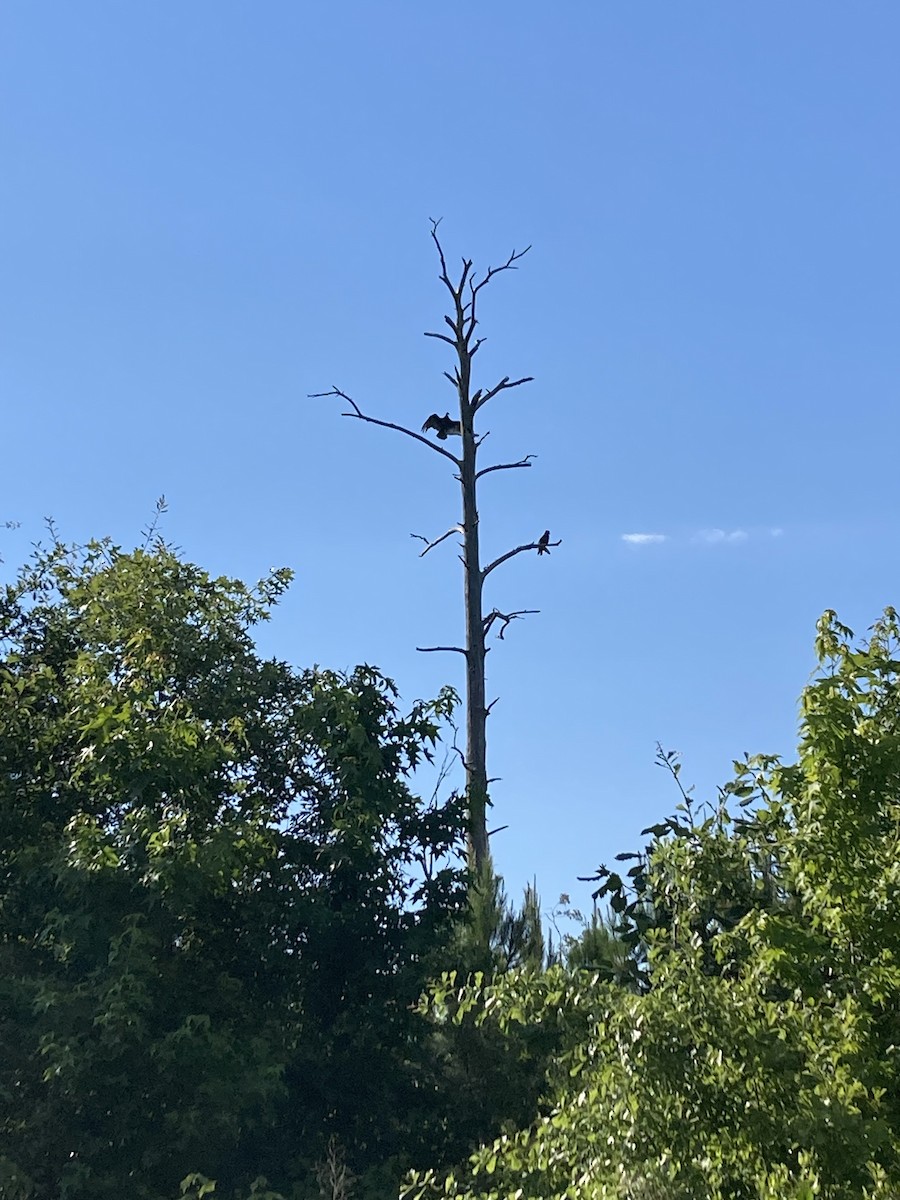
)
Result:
{"points": [[455, 291], [464, 325], [435, 649], [361, 416], [509, 265], [440, 249], [475, 288]]}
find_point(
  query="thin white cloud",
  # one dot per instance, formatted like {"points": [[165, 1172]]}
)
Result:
{"points": [[717, 537], [705, 537], [643, 539]]}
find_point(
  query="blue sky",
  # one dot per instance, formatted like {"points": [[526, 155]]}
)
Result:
{"points": [[209, 210]]}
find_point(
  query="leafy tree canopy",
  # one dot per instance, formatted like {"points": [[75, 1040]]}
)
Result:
{"points": [[754, 1057], [219, 894]]}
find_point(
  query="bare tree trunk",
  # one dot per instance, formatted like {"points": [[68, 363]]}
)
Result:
{"points": [[462, 323], [476, 701]]}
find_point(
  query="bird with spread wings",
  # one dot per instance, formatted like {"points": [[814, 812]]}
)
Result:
{"points": [[442, 426]]}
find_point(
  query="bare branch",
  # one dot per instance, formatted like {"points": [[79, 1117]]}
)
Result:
{"points": [[443, 771], [509, 265], [434, 649], [499, 829], [437, 541], [452, 749], [442, 337], [466, 268], [361, 416], [455, 745], [506, 618], [487, 711], [440, 249], [455, 291], [523, 462], [511, 554], [462, 757], [468, 312], [504, 385], [458, 323]]}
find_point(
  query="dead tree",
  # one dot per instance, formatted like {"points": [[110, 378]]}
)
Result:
{"points": [[462, 323]]}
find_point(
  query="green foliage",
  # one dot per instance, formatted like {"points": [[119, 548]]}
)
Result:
{"points": [[599, 947], [489, 1082], [494, 936], [220, 900], [218, 894], [757, 1057]]}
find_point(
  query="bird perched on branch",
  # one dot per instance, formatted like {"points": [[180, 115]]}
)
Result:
{"points": [[543, 542], [442, 426]]}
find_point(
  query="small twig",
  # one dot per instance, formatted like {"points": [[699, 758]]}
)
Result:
{"points": [[431, 545], [511, 554], [504, 385], [506, 618], [434, 649], [150, 531], [361, 416], [523, 462], [454, 746], [499, 829], [443, 772], [487, 711], [674, 769]]}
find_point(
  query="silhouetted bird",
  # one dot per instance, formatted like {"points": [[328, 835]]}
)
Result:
{"points": [[543, 542], [442, 426]]}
